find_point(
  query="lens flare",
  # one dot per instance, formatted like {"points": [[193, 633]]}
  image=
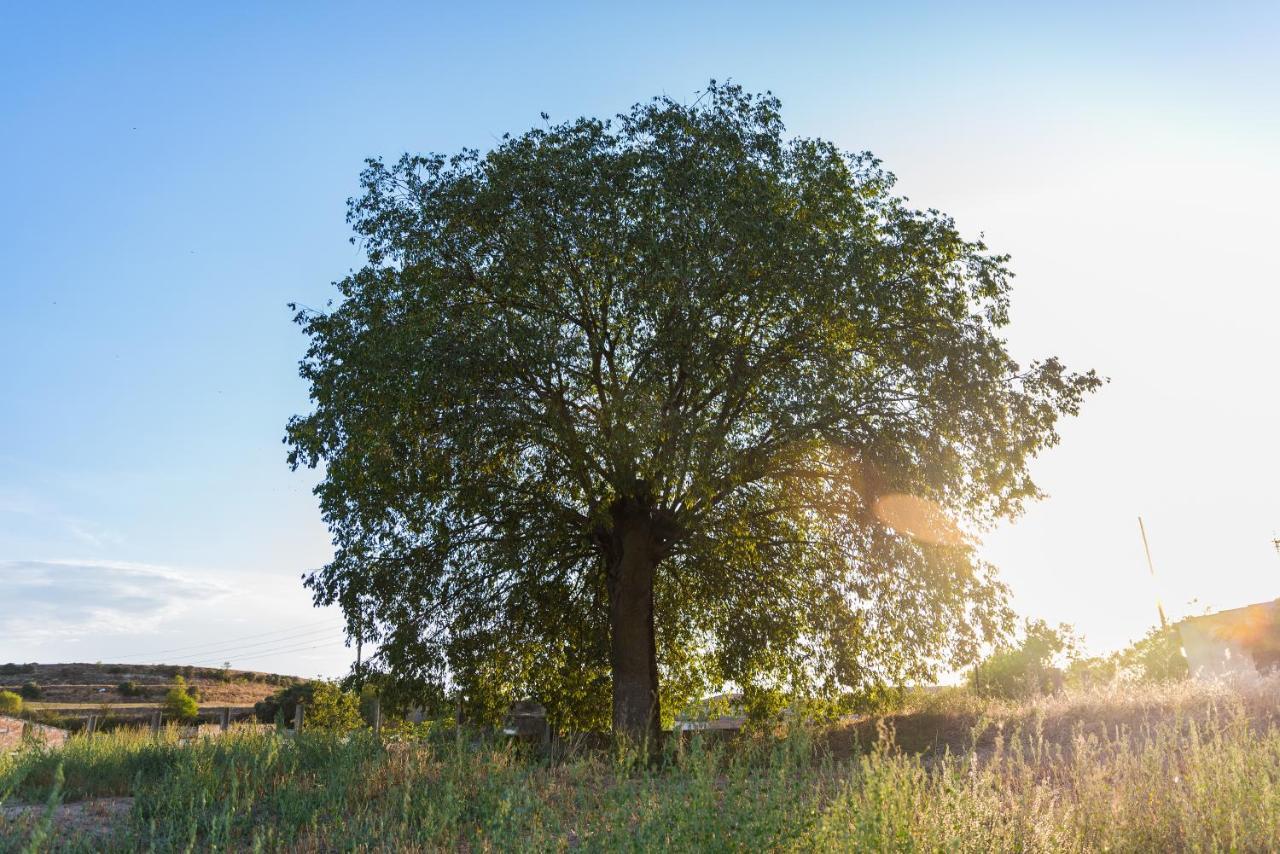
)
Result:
{"points": [[918, 518]]}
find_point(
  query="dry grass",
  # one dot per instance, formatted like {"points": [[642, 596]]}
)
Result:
{"points": [[1138, 768]]}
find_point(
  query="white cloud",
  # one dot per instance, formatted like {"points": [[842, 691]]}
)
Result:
{"points": [[67, 599]]}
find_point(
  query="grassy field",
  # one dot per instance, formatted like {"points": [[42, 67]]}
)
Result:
{"points": [[1169, 768]]}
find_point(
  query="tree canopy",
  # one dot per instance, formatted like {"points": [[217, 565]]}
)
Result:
{"points": [[621, 412]]}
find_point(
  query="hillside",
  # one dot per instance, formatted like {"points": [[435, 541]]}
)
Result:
{"points": [[81, 687]]}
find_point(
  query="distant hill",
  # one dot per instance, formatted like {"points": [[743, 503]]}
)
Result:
{"points": [[80, 687]]}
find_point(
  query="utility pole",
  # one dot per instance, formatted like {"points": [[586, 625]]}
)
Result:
{"points": [[1164, 624]]}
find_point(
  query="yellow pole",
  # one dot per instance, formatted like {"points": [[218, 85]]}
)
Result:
{"points": [[1164, 624]]}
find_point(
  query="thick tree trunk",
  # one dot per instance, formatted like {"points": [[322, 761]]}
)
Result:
{"points": [[635, 549]]}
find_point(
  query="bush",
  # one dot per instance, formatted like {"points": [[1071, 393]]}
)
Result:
{"points": [[179, 704], [332, 710], [31, 691], [131, 689], [1026, 670], [1158, 657], [12, 669], [10, 703], [283, 703]]}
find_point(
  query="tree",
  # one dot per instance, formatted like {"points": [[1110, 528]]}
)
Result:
{"points": [[178, 702], [619, 412]]}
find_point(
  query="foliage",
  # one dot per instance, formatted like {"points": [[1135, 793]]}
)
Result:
{"points": [[665, 404], [283, 704], [1029, 669], [178, 702], [10, 703], [332, 709], [12, 669], [31, 691], [1157, 656], [131, 689]]}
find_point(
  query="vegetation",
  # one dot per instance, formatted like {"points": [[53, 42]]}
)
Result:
{"points": [[281, 706], [10, 703], [31, 691], [619, 413], [178, 702], [1029, 669], [1084, 771], [332, 709]]}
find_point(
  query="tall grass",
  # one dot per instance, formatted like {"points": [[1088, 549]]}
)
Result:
{"points": [[1187, 769]]}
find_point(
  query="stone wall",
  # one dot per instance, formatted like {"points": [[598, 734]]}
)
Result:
{"points": [[12, 729]]}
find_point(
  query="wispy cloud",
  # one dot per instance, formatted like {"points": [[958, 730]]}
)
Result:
{"points": [[44, 513], [66, 599]]}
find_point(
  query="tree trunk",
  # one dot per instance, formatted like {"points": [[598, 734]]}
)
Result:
{"points": [[635, 549]]}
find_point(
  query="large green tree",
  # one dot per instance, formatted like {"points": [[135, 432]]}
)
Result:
{"points": [[630, 410]]}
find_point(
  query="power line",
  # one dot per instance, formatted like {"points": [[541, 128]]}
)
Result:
{"points": [[239, 648], [268, 652], [211, 646]]}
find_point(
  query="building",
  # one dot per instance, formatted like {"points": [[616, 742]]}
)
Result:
{"points": [[1239, 641]]}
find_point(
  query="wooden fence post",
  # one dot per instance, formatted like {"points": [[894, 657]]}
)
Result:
{"points": [[226, 718], [377, 717], [155, 722], [297, 719], [91, 725]]}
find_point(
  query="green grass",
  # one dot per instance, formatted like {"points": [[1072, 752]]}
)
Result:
{"points": [[1153, 769]]}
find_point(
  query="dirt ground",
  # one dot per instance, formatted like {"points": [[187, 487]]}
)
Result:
{"points": [[93, 818]]}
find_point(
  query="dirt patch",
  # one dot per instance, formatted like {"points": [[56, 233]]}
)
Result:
{"points": [[92, 819]]}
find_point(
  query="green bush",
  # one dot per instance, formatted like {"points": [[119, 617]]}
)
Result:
{"points": [[31, 691], [283, 703], [10, 703], [332, 709], [131, 689], [12, 669], [178, 703], [1157, 657], [1028, 669]]}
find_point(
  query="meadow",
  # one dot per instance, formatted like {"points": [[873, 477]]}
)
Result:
{"points": [[1179, 767]]}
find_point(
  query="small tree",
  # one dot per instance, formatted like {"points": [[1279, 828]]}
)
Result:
{"points": [[333, 710], [31, 691], [10, 703], [179, 704]]}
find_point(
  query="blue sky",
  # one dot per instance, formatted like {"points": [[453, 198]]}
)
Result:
{"points": [[173, 177]]}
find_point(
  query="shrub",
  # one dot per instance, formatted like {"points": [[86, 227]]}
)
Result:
{"points": [[332, 710], [131, 689], [283, 703], [31, 691], [1025, 670], [178, 703], [10, 703], [1158, 657], [12, 669]]}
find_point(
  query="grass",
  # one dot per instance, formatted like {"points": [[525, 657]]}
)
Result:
{"points": [[1172, 768]]}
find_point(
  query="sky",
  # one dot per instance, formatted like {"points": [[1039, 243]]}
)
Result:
{"points": [[173, 176]]}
